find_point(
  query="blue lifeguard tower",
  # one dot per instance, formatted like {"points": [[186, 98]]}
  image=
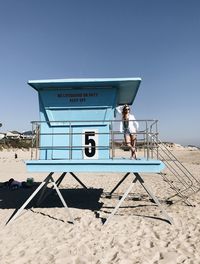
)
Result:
{"points": [[76, 132]]}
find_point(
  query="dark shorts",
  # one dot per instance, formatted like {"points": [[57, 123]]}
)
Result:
{"points": [[127, 131]]}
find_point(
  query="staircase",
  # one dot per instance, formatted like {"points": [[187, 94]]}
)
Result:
{"points": [[182, 183]]}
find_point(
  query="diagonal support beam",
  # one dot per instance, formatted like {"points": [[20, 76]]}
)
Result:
{"points": [[62, 199], [155, 199], [119, 183], [78, 180], [149, 192], [44, 196], [48, 179], [58, 182], [19, 211], [120, 202]]}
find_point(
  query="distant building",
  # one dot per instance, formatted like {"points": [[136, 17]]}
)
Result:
{"points": [[13, 134], [2, 135], [27, 135]]}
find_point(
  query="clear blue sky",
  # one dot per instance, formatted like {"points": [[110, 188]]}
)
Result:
{"points": [[157, 40]]}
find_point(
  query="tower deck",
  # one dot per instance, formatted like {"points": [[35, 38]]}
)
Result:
{"points": [[111, 165]]}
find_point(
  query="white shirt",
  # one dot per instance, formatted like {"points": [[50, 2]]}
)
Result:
{"points": [[133, 124]]}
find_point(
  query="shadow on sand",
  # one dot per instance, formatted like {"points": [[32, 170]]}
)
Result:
{"points": [[79, 198], [75, 198]]}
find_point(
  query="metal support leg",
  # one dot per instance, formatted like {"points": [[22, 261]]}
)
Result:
{"points": [[13, 217], [58, 182], [48, 179], [155, 199], [44, 196], [119, 183], [60, 179], [76, 178], [120, 202], [141, 181], [62, 199]]}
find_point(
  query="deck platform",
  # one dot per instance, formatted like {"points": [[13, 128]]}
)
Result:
{"points": [[111, 165]]}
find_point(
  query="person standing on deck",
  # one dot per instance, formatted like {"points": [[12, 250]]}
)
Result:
{"points": [[129, 127]]}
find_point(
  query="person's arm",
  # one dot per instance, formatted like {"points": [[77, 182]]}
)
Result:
{"points": [[119, 109]]}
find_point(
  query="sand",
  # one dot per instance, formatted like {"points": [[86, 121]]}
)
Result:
{"points": [[138, 233]]}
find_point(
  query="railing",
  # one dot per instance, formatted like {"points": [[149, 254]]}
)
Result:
{"points": [[180, 179], [113, 139]]}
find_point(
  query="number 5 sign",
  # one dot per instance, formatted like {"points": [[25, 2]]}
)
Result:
{"points": [[90, 143]]}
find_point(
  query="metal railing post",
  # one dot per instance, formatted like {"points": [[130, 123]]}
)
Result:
{"points": [[70, 140], [147, 139], [37, 139], [32, 141], [112, 141]]}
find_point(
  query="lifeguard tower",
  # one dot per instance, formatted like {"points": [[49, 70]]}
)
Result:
{"points": [[76, 133]]}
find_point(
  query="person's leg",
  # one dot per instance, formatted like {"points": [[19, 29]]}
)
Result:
{"points": [[133, 144], [127, 138]]}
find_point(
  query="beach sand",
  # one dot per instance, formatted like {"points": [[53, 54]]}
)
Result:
{"points": [[138, 233]]}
